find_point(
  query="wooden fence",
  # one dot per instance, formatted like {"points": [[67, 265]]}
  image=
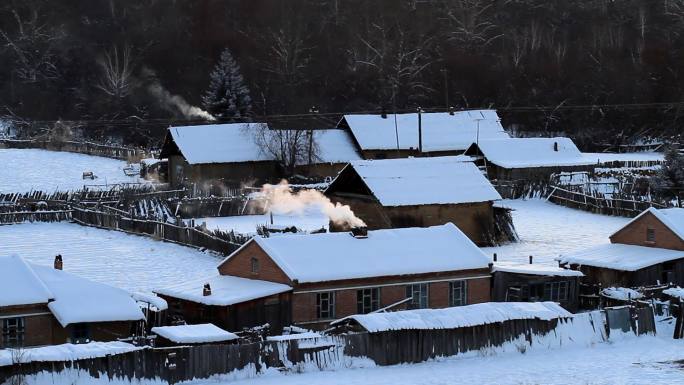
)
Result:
{"points": [[599, 203], [89, 148], [386, 348], [16, 217], [516, 189], [112, 219]]}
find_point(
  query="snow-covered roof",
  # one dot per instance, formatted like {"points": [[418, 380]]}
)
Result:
{"points": [[425, 181], [622, 257], [157, 302], [19, 284], [672, 218], [334, 146], [308, 258], [77, 299], [532, 152], [458, 317], [219, 143], [676, 292], [65, 352], [535, 269], [226, 290], [621, 293], [194, 334], [295, 336], [441, 131]]}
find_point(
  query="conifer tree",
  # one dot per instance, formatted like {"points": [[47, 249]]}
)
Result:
{"points": [[669, 181], [227, 97]]}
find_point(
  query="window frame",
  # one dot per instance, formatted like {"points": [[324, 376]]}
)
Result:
{"points": [[650, 235], [373, 296], [557, 291], [255, 265], [423, 301], [325, 312], [463, 293], [13, 335]]}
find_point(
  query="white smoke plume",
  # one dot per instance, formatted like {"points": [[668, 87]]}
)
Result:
{"points": [[281, 200], [177, 102]]}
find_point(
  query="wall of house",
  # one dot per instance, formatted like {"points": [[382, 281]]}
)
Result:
{"points": [[38, 323], [229, 173], [472, 218], [532, 173], [240, 265], [388, 154], [320, 170], [502, 281], [392, 290], [635, 234]]}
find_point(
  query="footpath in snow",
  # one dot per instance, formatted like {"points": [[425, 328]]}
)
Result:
{"points": [[547, 230], [24, 170]]}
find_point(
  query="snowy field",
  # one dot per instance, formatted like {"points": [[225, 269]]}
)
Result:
{"points": [[547, 230], [247, 224], [32, 169], [131, 262]]}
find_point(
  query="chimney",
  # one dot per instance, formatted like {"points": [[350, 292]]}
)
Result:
{"points": [[359, 232], [555, 146], [530, 259], [494, 257], [207, 290], [383, 113], [451, 111], [58, 262]]}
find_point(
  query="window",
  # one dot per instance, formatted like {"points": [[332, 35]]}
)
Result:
{"points": [[12, 332], [367, 300], [418, 294], [458, 293], [650, 235], [325, 305], [255, 265], [556, 291], [80, 333]]}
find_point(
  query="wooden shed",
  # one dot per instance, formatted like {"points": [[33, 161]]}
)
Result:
{"points": [[527, 282], [517, 159], [419, 192]]}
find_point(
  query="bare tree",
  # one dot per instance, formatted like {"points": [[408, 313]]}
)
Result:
{"points": [[33, 44], [290, 147], [117, 72], [470, 26]]}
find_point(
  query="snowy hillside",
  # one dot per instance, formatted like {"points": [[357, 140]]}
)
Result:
{"points": [[31, 169]]}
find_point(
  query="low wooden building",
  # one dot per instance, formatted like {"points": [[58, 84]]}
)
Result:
{"points": [[225, 153], [318, 278], [520, 282], [40, 305], [419, 192], [523, 159], [649, 250], [389, 136], [332, 150]]}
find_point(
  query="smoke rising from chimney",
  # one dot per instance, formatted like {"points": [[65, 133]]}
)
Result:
{"points": [[176, 102], [281, 200]]}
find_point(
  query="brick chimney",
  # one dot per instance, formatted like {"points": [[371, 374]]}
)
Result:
{"points": [[207, 290], [58, 262]]}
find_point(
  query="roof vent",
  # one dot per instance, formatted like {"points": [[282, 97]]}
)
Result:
{"points": [[451, 111], [555, 146], [359, 232], [207, 290], [58, 262], [383, 113]]}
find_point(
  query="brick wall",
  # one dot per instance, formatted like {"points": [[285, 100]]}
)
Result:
{"points": [[635, 234], [479, 290], [38, 328], [240, 265]]}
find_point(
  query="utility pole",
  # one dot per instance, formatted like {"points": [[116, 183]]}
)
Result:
{"points": [[420, 132], [312, 110], [446, 88]]}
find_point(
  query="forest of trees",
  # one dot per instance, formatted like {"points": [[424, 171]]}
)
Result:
{"points": [[129, 68]]}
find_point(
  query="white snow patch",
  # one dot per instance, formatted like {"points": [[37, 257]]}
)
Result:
{"points": [[535, 269], [621, 257], [65, 352], [194, 334], [621, 293], [226, 290]]}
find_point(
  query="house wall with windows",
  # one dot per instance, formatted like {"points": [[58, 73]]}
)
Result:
{"points": [[512, 287], [647, 230]]}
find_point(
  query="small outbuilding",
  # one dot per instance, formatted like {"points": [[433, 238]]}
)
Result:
{"points": [[387, 136], [419, 192], [191, 335], [515, 159], [526, 282], [333, 149]]}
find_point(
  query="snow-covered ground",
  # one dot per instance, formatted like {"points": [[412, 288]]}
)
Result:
{"points": [[32, 169], [547, 230], [247, 224], [603, 157], [131, 262]]}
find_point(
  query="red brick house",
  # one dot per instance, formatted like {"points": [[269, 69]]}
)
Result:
{"points": [[648, 250], [41, 305], [314, 279]]}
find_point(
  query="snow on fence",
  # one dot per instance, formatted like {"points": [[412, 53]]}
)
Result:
{"points": [[599, 203], [385, 348], [17, 217], [88, 148], [222, 242]]}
